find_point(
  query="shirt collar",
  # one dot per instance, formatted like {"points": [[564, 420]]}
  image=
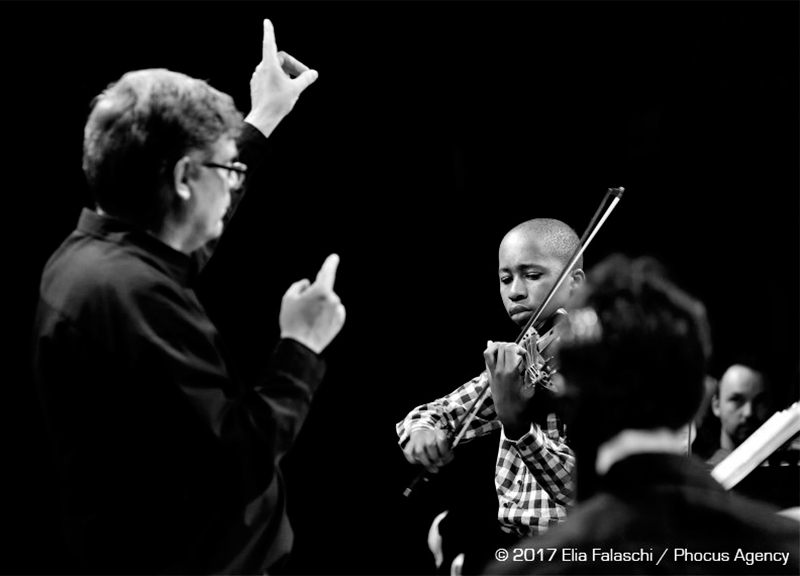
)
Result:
{"points": [[629, 442], [180, 266]]}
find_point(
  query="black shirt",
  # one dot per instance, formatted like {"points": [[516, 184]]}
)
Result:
{"points": [[166, 462]]}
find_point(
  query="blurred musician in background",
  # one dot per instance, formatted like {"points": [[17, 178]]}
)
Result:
{"points": [[744, 399], [742, 402]]}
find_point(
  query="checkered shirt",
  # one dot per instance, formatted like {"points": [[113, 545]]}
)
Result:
{"points": [[533, 474]]}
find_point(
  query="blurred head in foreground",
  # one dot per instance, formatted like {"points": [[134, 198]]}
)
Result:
{"points": [[634, 358]]}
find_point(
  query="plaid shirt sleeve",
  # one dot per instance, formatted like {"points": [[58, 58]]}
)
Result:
{"points": [[547, 456], [533, 479], [445, 413]]}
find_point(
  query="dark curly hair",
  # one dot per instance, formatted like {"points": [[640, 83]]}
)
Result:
{"points": [[138, 128], [637, 353]]}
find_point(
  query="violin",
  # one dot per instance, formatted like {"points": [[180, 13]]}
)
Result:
{"points": [[537, 335]]}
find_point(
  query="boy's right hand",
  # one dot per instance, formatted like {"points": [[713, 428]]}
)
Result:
{"points": [[428, 447]]}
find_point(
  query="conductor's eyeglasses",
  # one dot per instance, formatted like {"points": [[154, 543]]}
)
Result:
{"points": [[235, 172]]}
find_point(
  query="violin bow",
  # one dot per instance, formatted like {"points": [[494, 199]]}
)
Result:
{"points": [[588, 235]]}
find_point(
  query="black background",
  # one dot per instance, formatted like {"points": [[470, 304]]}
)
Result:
{"points": [[432, 130]]}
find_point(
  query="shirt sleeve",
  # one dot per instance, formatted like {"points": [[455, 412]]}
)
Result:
{"points": [[446, 412], [176, 341], [549, 459]]}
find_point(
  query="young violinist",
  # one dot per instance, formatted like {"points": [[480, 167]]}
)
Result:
{"points": [[534, 463]]}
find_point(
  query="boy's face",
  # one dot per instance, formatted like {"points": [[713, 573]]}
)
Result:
{"points": [[527, 271]]}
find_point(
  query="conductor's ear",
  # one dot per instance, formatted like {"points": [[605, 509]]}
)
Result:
{"points": [[181, 174]]}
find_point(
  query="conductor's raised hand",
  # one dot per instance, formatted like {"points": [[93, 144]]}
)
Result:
{"points": [[276, 84], [312, 314]]}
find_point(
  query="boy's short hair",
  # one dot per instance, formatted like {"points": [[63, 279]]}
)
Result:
{"points": [[560, 238]]}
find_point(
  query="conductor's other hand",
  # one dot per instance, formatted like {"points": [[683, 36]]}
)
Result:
{"points": [[276, 84], [428, 447], [312, 314]]}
